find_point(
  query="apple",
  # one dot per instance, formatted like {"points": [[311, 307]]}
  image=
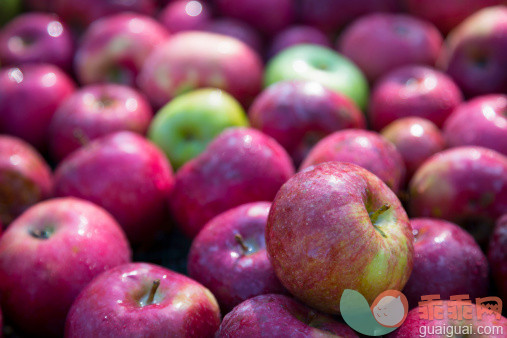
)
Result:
{"points": [[279, 316], [416, 139], [40, 5], [464, 185], [413, 91], [237, 29], [241, 165], [8, 10], [29, 96], [365, 148], [379, 43], [476, 51], [94, 111], [143, 300], [447, 261], [36, 37], [49, 254], [114, 49], [299, 113], [229, 257], [191, 60], [126, 175], [297, 35], [25, 178], [320, 64], [497, 255], [481, 121], [184, 127], [184, 15]]}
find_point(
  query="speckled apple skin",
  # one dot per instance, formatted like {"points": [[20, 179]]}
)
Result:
{"points": [[217, 260], [279, 316], [40, 278], [321, 241], [109, 306], [241, 165], [413, 91], [191, 60], [178, 16], [497, 255], [464, 185], [82, 118], [25, 178], [125, 174], [447, 261], [365, 148], [296, 35], [481, 121], [299, 113]]}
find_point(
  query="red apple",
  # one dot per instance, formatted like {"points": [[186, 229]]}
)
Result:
{"points": [[497, 256], [297, 35], [185, 15], [49, 254], [237, 29]]}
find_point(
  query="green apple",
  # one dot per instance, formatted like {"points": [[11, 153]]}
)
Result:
{"points": [[8, 10], [184, 127], [321, 64]]}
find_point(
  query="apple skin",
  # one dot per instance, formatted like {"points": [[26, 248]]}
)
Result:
{"points": [[464, 185], [275, 315], [25, 178], [126, 175], [481, 121], [416, 139], [45, 275], [218, 261], [36, 37], [297, 35], [365, 148], [394, 39], [413, 91], [497, 255], [321, 238], [95, 111], [29, 97], [299, 113], [110, 305], [114, 48], [8, 10], [241, 165], [476, 51], [320, 64], [447, 261], [184, 15], [239, 30]]}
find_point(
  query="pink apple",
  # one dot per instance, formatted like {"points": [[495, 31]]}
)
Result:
{"points": [[365, 148], [497, 256], [241, 165], [25, 178], [184, 15], [143, 300], [299, 113], [95, 111], [336, 226], [447, 261], [481, 121], [36, 37], [279, 316], [413, 91], [379, 43], [229, 256], [191, 60], [296, 35], [29, 96], [237, 29], [49, 254], [126, 175]]}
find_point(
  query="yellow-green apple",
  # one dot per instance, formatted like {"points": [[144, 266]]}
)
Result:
{"points": [[241, 165], [337, 226], [320, 64], [49, 254], [273, 315], [25, 178], [419, 91], [297, 35], [239, 30], [299, 113], [379, 43], [365, 148], [228, 256], [497, 256], [143, 300], [184, 127], [191, 60], [8, 10], [126, 175], [185, 15], [481, 121]]}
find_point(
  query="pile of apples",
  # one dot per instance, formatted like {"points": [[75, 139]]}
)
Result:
{"points": [[290, 141]]}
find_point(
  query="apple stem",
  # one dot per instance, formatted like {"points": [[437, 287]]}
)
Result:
{"points": [[241, 242], [38, 233], [154, 287], [81, 137]]}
